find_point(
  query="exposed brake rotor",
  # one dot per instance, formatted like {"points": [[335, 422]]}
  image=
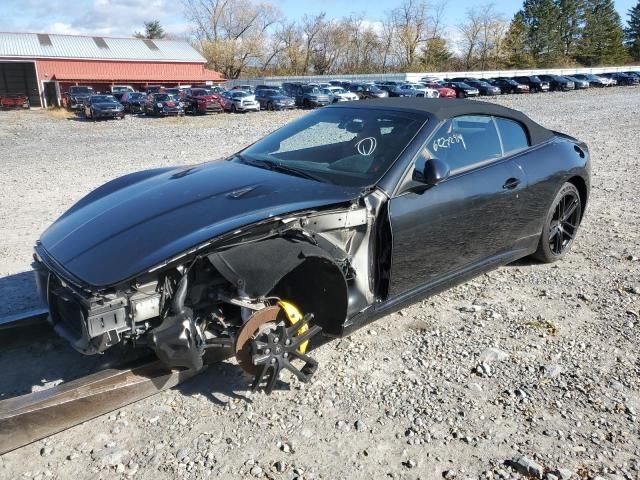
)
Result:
{"points": [[265, 346]]}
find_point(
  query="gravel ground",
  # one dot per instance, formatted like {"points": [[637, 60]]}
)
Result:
{"points": [[528, 370]]}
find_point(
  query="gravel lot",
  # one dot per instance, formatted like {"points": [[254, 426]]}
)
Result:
{"points": [[558, 393]]}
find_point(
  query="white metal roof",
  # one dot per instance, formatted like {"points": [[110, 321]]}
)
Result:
{"points": [[33, 45]]}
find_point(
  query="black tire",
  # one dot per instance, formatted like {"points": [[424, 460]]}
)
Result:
{"points": [[269, 106], [560, 225], [460, 95], [233, 108]]}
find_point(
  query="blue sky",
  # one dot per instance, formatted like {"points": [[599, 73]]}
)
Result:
{"points": [[123, 17]]}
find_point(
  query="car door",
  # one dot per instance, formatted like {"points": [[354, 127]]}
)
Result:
{"points": [[471, 216]]}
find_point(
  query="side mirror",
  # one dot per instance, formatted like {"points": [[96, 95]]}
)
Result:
{"points": [[430, 172]]}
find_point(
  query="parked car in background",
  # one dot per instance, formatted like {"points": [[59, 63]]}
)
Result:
{"points": [[633, 74], [364, 91], [394, 89], [154, 89], [290, 88], [533, 82], [462, 89], [201, 101], [244, 88], [119, 90], [445, 92], [578, 83], [508, 85], [9, 101], [338, 94], [418, 90], [265, 87], [163, 105], [179, 93], [274, 99], [485, 88], [430, 79], [76, 96], [623, 78], [593, 80], [309, 96], [103, 106], [239, 101], [557, 83], [133, 102]]}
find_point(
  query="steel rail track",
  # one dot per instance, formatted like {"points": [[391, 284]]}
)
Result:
{"points": [[27, 418]]}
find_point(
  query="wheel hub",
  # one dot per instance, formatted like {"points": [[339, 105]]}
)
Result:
{"points": [[265, 346]]}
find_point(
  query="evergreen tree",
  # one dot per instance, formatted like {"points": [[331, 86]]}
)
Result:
{"points": [[570, 26], [632, 32], [517, 53], [542, 18], [436, 56], [152, 30], [602, 37]]}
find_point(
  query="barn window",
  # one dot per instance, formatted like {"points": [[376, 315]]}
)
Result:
{"points": [[44, 39], [101, 43], [150, 44]]}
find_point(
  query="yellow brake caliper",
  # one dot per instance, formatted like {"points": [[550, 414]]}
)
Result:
{"points": [[294, 315]]}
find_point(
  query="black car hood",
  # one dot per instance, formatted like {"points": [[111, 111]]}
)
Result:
{"points": [[136, 222]]}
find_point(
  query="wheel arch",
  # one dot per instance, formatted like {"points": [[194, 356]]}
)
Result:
{"points": [[579, 182], [292, 269]]}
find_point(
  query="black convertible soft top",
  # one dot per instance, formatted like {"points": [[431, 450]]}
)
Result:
{"points": [[443, 109]]}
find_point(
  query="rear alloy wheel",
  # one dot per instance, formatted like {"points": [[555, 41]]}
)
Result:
{"points": [[561, 225]]}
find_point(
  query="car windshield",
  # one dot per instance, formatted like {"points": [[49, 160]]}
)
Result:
{"points": [[81, 90], [270, 93], [349, 147], [136, 96], [120, 89], [462, 85], [311, 90], [199, 93], [534, 79], [164, 97], [240, 94], [103, 99]]}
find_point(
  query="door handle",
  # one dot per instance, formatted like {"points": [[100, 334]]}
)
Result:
{"points": [[511, 183]]}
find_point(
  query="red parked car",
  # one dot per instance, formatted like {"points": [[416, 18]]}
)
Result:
{"points": [[14, 100], [445, 92], [201, 100]]}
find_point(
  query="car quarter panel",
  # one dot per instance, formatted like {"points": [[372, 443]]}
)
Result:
{"points": [[547, 167]]}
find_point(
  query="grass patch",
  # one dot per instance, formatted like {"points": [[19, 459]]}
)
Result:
{"points": [[546, 325], [60, 113]]}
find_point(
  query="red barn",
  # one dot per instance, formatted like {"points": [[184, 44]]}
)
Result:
{"points": [[44, 65]]}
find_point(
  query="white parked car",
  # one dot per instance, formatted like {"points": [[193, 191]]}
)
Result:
{"points": [[339, 94], [606, 81], [418, 90], [239, 101]]}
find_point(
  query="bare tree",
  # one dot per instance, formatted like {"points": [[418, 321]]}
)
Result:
{"points": [[231, 33], [482, 36]]}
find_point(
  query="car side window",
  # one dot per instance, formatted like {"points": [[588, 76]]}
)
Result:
{"points": [[465, 142], [513, 134]]}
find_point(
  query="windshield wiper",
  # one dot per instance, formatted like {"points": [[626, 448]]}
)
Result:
{"points": [[280, 167]]}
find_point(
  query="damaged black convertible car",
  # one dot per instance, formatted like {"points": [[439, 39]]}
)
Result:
{"points": [[338, 218]]}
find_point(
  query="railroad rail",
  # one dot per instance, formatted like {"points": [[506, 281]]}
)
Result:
{"points": [[27, 418]]}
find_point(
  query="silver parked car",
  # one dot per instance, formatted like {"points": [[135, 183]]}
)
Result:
{"points": [[239, 101]]}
